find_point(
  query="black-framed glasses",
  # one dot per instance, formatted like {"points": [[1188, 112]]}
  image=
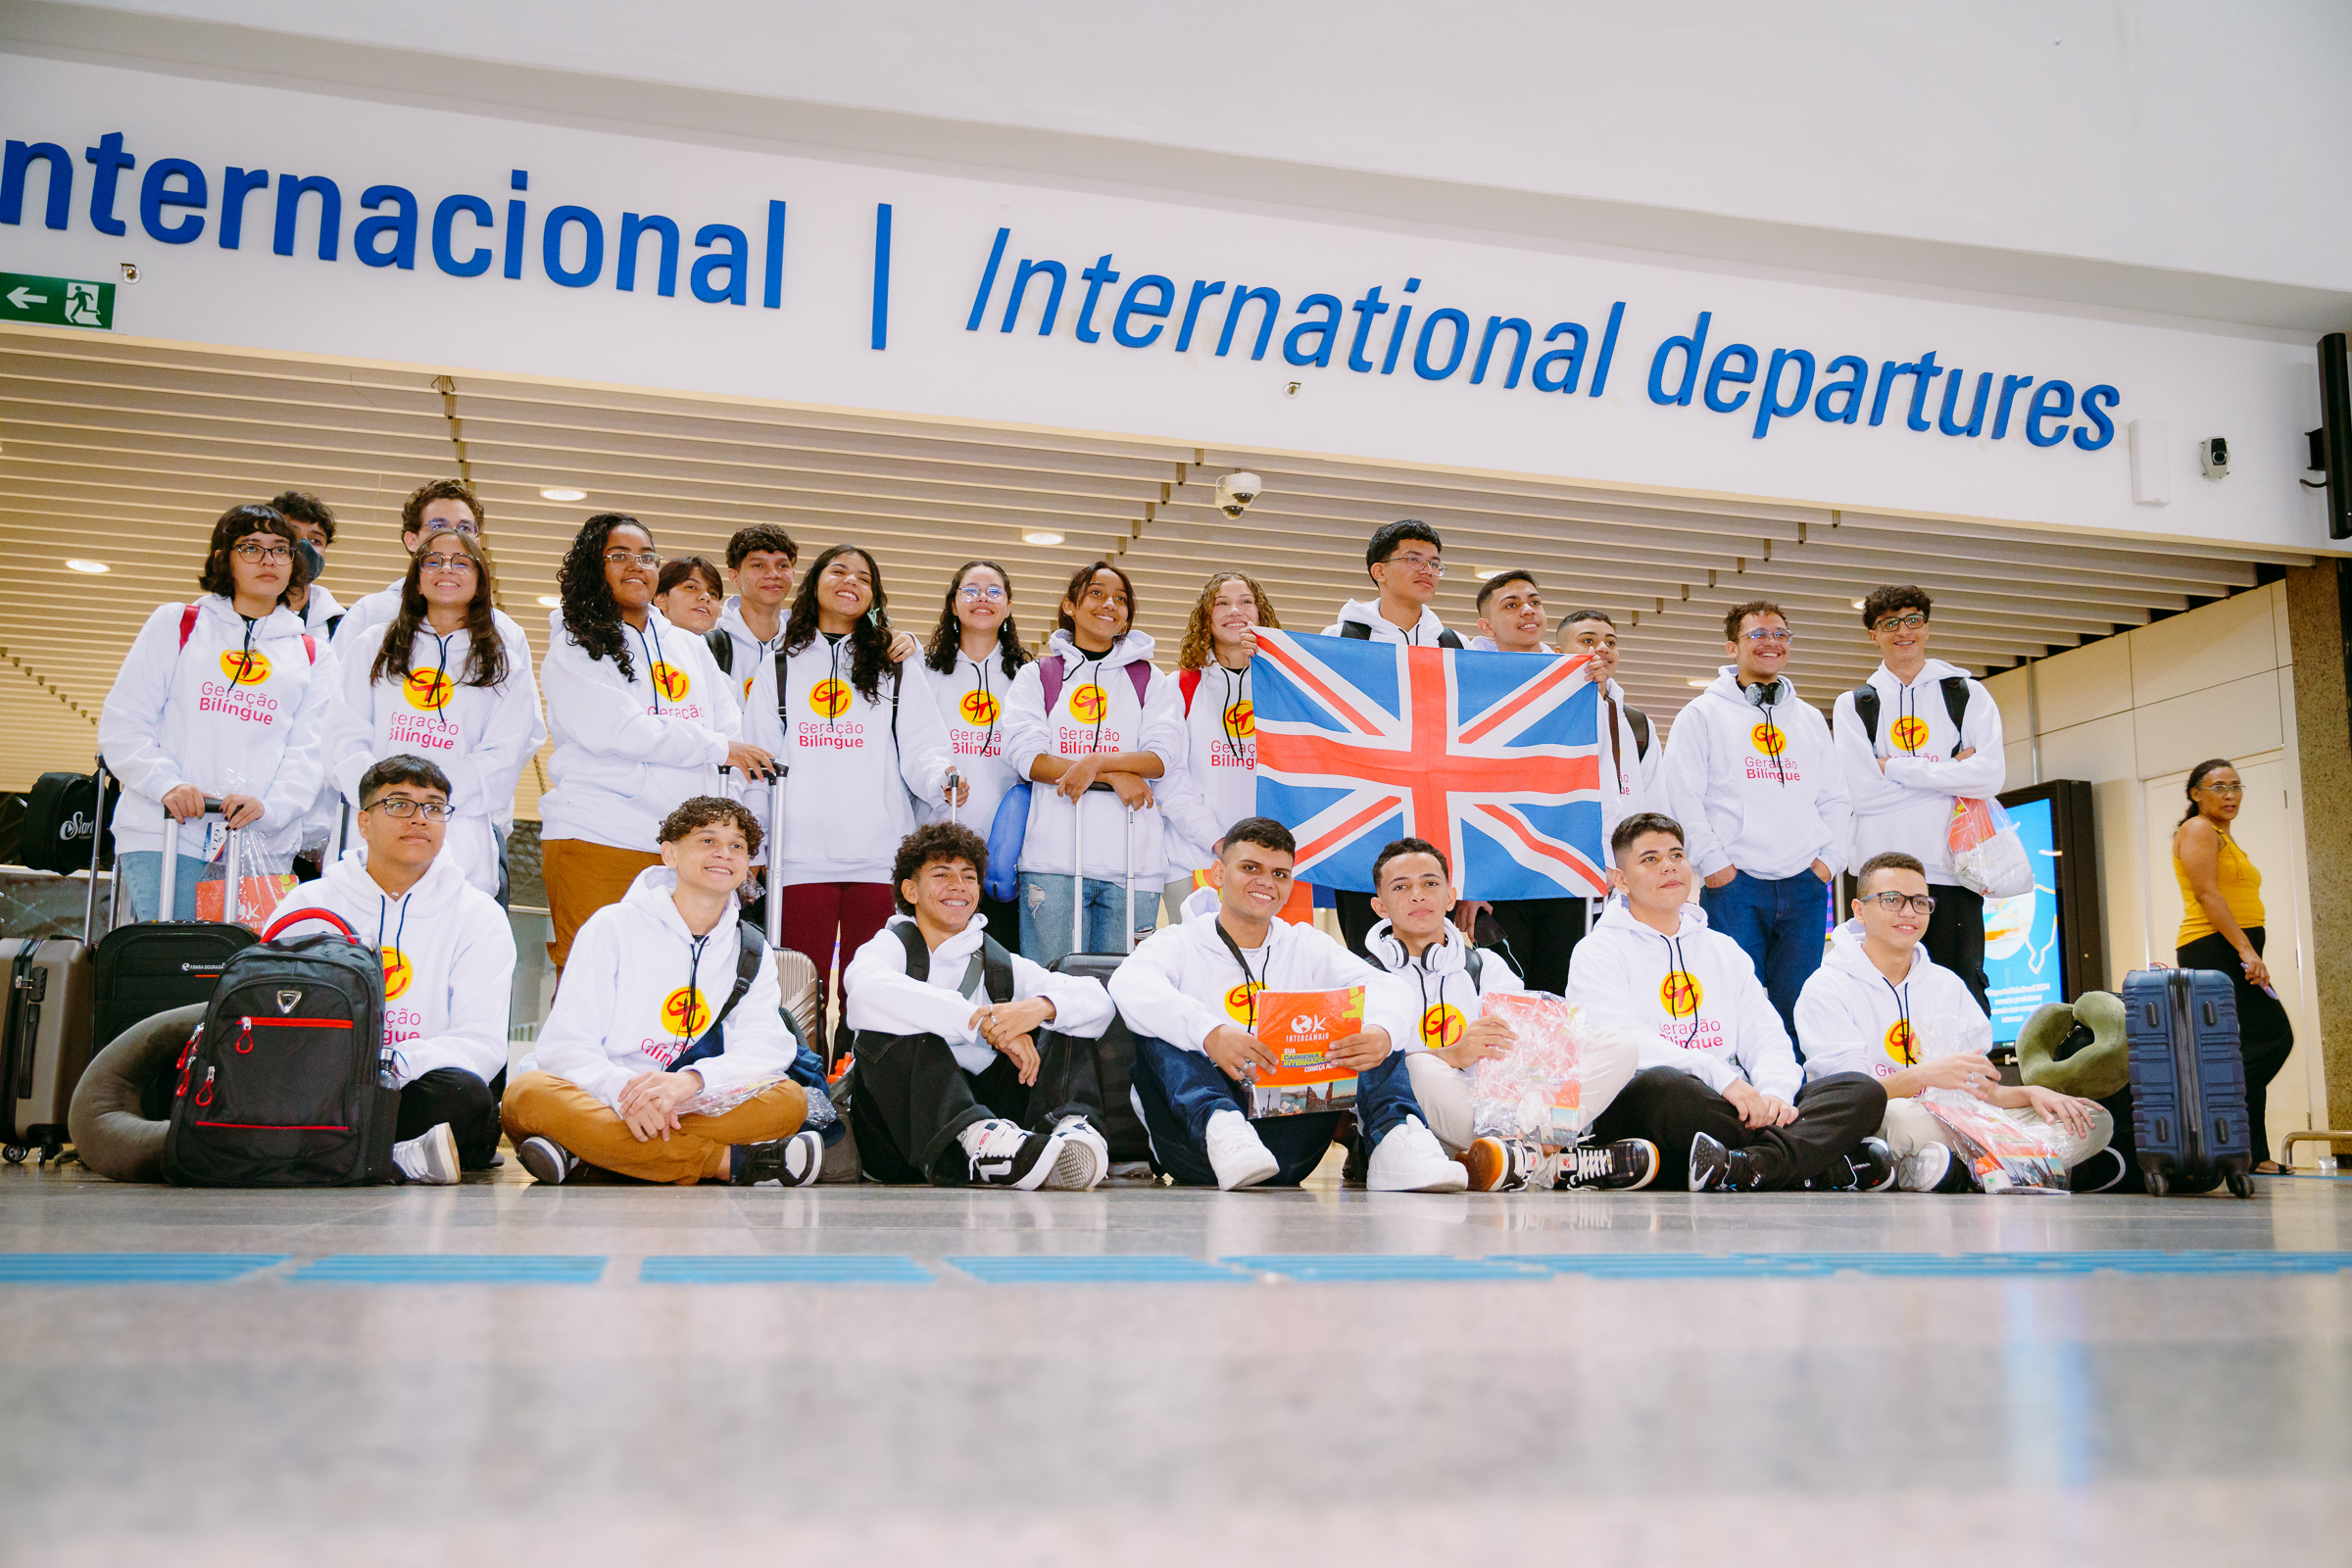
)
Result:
{"points": [[1897, 903], [276, 555], [400, 808], [1910, 622]]}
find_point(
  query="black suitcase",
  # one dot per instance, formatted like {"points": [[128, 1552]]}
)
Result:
{"points": [[288, 1081], [45, 1013], [1101, 1071], [2188, 1081], [156, 965]]}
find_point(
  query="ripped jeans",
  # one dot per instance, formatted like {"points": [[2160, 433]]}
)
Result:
{"points": [[1045, 901]]}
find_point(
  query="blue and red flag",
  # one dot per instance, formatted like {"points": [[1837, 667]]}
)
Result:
{"points": [[1496, 756]]}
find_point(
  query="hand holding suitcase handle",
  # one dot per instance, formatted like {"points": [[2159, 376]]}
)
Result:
{"points": [[1078, 868]]}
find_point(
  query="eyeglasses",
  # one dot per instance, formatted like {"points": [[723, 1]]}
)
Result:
{"points": [[400, 808], [275, 555], [2225, 789], [458, 564], [1762, 635], [638, 557], [471, 530], [1897, 903], [976, 593], [1910, 622], [1419, 563]]}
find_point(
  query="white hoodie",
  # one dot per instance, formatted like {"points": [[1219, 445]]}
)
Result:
{"points": [[1909, 806], [1218, 786], [1097, 711], [1631, 779], [1365, 613], [640, 988], [626, 753], [1181, 982], [1851, 1019], [207, 715], [449, 961], [1623, 973], [1759, 788], [852, 762], [480, 738], [878, 995], [1435, 988], [754, 670], [969, 702]]}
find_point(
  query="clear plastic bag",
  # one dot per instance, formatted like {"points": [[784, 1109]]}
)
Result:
{"points": [[2003, 1153], [265, 876], [1988, 854], [1534, 1091]]}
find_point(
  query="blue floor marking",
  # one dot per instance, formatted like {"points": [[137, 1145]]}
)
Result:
{"points": [[452, 1268], [805, 1268], [1096, 1268], [1671, 1265], [1981, 1265], [131, 1268], [1380, 1267]]}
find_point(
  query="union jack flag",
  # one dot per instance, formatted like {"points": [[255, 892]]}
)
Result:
{"points": [[1494, 756]]}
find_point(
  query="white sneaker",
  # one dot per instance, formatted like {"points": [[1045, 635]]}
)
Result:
{"points": [[1239, 1156], [1410, 1160], [803, 1158], [1005, 1153], [430, 1159], [1083, 1160], [549, 1163], [1923, 1170]]}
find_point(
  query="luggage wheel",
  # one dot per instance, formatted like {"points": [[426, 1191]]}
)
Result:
{"points": [[2156, 1184], [13, 1154], [50, 1152], [2241, 1185]]}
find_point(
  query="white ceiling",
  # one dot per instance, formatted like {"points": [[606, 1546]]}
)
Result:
{"points": [[125, 452]]}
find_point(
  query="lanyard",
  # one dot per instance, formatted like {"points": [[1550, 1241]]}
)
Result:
{"points": [[1252, 983]]}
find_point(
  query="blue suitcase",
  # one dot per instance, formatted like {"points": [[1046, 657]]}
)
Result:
{"points": [[2188, 1081]]}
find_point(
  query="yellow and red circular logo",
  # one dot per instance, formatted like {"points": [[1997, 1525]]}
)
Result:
{"points": [[671, 681], [1237, 1001], [1088, 703], [1680, 994], [1442, 1025], [427, 690], [685, 1014], [747, 688], [249, 668], [1910, 733], [1902, 1043], [397, 973], [1240, 719], [1768, 738], [829, 698], [979, 708]]}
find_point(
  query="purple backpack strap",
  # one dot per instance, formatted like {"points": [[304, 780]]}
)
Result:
{"points": [[1050, 672]]}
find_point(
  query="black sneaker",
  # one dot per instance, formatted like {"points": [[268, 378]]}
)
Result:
{"points": [[548, 1161], [1619, 1168], [794, 1162], [1867, 1167], [1003, 1153], [1715, 1169], [2098, 1173]]}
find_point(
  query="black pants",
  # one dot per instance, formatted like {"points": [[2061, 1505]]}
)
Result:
{"points": [[457, 1096], [1003, 921], [1956, 936], [1669, 1107], [912, 1098], [2265, 1035], [1542, 933], [1356, 919]]}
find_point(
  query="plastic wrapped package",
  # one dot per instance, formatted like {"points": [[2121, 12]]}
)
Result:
{"points": [[1534, 1091], [1988, 854], [2002, 1152], [265, 876]]}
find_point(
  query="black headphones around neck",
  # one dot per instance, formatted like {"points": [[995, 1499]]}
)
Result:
{"points": [[1762, 693]]}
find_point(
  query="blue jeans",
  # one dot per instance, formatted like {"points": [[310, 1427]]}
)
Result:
{"points": [[1179, 1090], [1046, 917], [1783, 927], [143, 874]]}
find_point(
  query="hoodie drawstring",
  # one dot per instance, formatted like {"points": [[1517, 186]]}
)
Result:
{"points": [[440, 675], [1235, 689], [1902, 1010], [653, 658], [988, 742], [1674, 957], [245, 656], [1772, 728]]}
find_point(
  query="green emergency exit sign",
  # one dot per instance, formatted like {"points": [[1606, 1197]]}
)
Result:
{"points": [[56, 301]]}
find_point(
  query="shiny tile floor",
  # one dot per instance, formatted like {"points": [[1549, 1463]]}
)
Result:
{"points": [[898, 1406]]}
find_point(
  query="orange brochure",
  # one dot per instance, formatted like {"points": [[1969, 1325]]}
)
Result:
{"points": [[1298, 1027]]}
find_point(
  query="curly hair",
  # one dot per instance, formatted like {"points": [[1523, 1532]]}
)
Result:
{"points": [[759, 536], [1759, 607], [946, 638], [700, 810], [1198, 646], [589, 613], [411, 511], [485, 651], [234, 524], [1885, 601], [934, 841], [869, 639]]}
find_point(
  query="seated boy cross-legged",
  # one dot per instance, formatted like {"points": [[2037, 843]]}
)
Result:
{"points": [[1190, 996], [649, 980], [953, 1086], [1719, 1087], [1879, 1005], [1443, 979]]}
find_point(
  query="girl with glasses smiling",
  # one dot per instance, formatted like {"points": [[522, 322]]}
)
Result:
{"points": [[967, 668]]}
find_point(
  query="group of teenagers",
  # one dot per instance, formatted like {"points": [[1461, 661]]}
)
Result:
{"points": [[1728, 1048]]}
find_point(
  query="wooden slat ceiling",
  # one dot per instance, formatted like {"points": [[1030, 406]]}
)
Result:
{"points": [[125, 452]]}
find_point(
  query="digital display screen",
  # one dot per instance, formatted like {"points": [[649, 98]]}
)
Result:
{"points": [[2024, 962]]}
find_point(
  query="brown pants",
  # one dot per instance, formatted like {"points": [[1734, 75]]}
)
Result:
{"points": [[539, 1104], [583, 878]]}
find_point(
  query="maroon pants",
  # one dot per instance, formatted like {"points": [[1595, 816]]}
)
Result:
{"points": [[818, 913]]}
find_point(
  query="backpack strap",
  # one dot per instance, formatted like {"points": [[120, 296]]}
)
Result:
{"points": [[918, 955], [187, 623], [1048, 675], [1866, 709], [722, 649], [1139, 675], [1188, 681], [1355, 631], [1638, 722], [1955, 702], [1474, 962], [310, 647], [751, 946], [995, 965], [333, 623], [1448, 638]]}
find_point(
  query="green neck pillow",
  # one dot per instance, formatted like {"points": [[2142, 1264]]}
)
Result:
{"points": [[2097, 1070]]}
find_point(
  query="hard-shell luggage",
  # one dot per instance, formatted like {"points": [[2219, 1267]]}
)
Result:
{"points": [[1102, 1071], [156, 965], [45, 1038], [2188, 1081], [288, 1081]]}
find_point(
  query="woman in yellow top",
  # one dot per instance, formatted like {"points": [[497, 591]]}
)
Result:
{"points": [[2221, 928]]}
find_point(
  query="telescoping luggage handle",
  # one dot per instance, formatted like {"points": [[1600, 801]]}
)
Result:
{"points": [[90, 900], [168, 904], [1078, 874]]}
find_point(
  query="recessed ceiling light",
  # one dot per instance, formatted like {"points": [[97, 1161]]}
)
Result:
{"points": [[93, 568], [1857, 603], [1038, 536], [1699, 681], [559, 492], [551, 600]]}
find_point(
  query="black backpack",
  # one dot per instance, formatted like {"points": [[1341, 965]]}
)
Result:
{"points": [[1866, 704], [61, 814], [992, 965], [722, 649], [287, 1082]]}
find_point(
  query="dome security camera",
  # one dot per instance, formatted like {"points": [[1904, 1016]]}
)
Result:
{"points": [[1236, 491]]}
